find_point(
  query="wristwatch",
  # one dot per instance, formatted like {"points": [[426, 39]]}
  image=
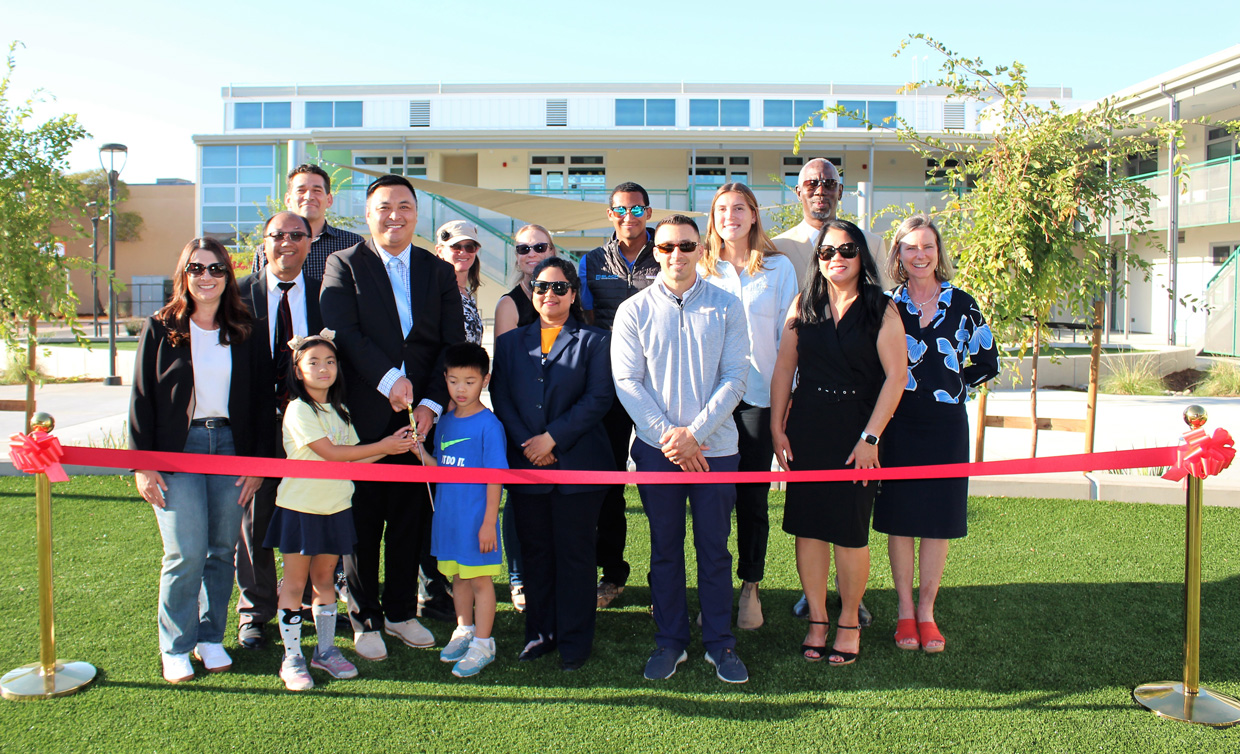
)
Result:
{"points": [[869, 438]]}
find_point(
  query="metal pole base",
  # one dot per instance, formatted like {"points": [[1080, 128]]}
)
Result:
{"points": [[1206, 707], [112, 381], [30, 682]]}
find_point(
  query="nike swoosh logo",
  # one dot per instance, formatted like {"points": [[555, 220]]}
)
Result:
{"points": [[444, 445]]}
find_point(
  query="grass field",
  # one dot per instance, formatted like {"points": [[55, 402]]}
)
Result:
{"points": [[1053, 611]]}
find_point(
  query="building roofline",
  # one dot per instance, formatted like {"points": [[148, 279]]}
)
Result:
{"points": [[1197, 77]]}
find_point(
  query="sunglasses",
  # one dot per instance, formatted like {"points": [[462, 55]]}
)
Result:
{"points": [[686, 247], [558, 287], [638, 211], [468, 247], [216, 270], [526, 248], [827, 252], [813, 184], [296, 236]]}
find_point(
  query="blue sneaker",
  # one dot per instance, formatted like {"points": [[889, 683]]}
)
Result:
{"points": [[473, 662], [457, 646], [728, 667], [662, 663]]}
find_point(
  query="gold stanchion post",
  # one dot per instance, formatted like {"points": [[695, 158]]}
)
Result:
{"points": [[1189, 701], [49, 677]]}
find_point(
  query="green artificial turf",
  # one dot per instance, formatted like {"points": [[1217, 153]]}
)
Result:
{"points": [[1053, 611]]}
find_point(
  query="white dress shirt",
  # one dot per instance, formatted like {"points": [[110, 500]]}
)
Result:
{"points": [[296, 305]]}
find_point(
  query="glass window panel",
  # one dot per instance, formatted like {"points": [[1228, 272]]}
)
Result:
{"points": [[277, 114], [219, 156], [219, 214], [255, 175], [794, 160], [734, 112], [1218, 149], [349, 114], [703, 112], [318, 115], [255, 155], [219, 195], [219, 175], [709, 161], [587, 160], [416, 172], [248, 115], [846, 121], [555, 181], [739, 178], [660, 112], [536, 180], [777, 113], [738, 160], [630, 112], [804, 109], [253, 195], [369, 160], [790, 179], [249, 214], [882, 114], [548, 160]]}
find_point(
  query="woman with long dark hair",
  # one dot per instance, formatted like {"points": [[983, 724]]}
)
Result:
{"points": [[551, 387], [950, 350], [192, 393], [844, 342]]}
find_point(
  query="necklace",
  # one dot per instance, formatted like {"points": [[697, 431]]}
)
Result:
{"points": [[922, 305]]}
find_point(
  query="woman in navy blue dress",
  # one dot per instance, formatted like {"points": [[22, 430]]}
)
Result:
{"points": [[950, 350]]}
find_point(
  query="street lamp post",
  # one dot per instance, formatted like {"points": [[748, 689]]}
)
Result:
{"points": [[113, 174], [94, 274]]}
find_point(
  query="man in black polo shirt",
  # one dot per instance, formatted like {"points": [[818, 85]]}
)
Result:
{"points": [[610, 274], [310, 195]]}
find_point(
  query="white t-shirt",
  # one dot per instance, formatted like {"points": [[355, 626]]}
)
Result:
{"points": [[212, 362]]}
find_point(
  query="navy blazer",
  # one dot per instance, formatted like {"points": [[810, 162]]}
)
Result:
{"points": [[357, 302], [161, 405], [567, 397], [253, 291]]}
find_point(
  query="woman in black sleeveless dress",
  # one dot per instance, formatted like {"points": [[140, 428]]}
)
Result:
{"points": [[844, 340]]}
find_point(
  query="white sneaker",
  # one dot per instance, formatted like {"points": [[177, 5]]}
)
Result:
{"points": [[458, 646], [177, 668], [213, 657], [411, 632], [369, 646], [474, 661]]}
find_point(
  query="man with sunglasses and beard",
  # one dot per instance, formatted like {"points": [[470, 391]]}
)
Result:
{"points": [[679, 355], [820, 188], [609, 275]]}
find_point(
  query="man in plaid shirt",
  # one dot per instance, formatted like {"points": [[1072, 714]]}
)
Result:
{"points": [[310, 195]]}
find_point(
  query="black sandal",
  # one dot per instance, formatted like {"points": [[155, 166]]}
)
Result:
{"points": [[846, 658], [822, 651]]}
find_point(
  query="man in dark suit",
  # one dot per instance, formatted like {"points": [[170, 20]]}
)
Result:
{"points": [[284, 302], [395, 308]]}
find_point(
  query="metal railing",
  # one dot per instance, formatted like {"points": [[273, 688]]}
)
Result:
{"points": [[1210, 194], [1223, 313]]}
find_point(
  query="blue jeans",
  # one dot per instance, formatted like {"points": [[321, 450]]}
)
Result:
{"points": [[199, 523]]}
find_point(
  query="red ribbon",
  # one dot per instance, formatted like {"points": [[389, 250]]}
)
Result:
{"points": [[38, 453], [1202, 455]]}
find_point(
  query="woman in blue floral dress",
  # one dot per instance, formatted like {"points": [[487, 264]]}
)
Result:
{"points": [[950, 350]]}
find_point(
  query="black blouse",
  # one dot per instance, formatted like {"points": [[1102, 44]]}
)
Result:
{"points": [[937, 353]]}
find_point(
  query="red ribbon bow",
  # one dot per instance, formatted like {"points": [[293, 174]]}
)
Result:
{"points": [[38, 452], [1202, 455]]}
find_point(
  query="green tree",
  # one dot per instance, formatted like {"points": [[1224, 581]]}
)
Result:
{"points": [[1028, 237], [95, 189], [35, 195]]}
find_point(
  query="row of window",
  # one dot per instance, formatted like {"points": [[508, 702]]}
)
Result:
{"points": [[703, 113]]}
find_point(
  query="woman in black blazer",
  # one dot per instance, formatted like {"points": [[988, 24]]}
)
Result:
{"points": [[192, 393], [551, 387]]}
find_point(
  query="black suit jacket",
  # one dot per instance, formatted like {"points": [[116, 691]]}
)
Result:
{"points": [[161, 405], [357, 303], [254, 294], [567, 397]]}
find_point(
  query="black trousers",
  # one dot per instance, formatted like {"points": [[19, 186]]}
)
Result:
{"points": [[554, 530], [398, 515], [612, 527], [753, 424], [256, 565]]}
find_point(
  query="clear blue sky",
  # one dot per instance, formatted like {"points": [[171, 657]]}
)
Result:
{"points": [[148, 74]]}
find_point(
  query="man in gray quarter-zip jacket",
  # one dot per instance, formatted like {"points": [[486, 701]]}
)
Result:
{"points": [[679, 356]]}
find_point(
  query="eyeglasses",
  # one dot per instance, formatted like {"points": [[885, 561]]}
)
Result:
{"points": [[296, 236], [827, 252], [686, 247], [216, 270], [468, 247], [526, 248], [558, 287], [813, 184], [636, 212]]}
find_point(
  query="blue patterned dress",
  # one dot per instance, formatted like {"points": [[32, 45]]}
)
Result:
{"points": [[955, 352]]}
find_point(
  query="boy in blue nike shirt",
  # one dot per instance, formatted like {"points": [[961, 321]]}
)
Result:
{"points": [[465, 528]]}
